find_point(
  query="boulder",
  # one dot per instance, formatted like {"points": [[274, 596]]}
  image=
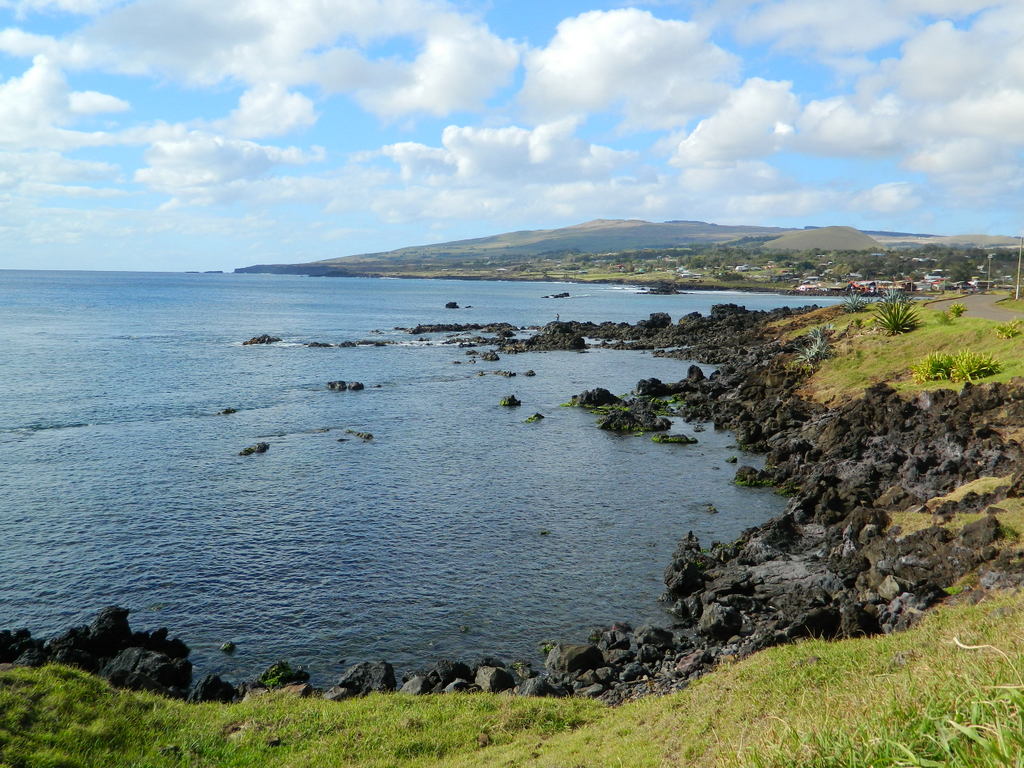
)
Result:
{"points": [[595, 398], [720, 621], [142, 670], [511, 401], [656, 636], [490, 357], [458, 686], [110, 632], [494, 679], [452, 305], [566, 658], [538, 686], [212, 688], [13, 643], [638, 417], [264, 339], [337, 386], [656, 321], [651, 388], [417, 685], [361, 679]]}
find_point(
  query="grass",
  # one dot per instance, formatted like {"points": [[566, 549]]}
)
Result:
{"points": [[855, 703], [864, 357]]}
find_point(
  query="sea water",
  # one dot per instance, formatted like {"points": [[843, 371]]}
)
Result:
{"points": [[457, 531]]}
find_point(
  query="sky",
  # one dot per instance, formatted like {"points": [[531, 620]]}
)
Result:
{"points": [[190, 134]]}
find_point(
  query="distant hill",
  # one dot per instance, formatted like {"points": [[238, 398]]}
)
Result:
{"points": [[598, 236], [824, 239], [613, 236]]}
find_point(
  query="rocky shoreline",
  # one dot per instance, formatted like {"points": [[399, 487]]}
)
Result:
{"points": [[831, 566]]}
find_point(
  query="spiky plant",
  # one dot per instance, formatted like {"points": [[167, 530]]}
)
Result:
{"points": [[894, 318], [855, 302], [1008, 330], [893, 296]]}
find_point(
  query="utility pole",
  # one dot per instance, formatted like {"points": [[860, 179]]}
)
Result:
{"points": [[1020, 252], [989, 272]]}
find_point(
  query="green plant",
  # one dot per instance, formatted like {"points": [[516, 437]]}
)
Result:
{"points": [[1008, 330], [818, 346], [944, 318], [855, 302], [969, 366], [956, 310], [894, 318], [893, 296], [962, 366], [936, 366]]}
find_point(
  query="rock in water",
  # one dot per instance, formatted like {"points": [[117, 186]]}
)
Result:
{"points": [[452, 305], [595, 398], [258, 448], [264, 339], [511, 401], [679, 438]]}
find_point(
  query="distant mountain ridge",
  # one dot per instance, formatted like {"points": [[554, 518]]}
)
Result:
{"points": [[615, 235]]}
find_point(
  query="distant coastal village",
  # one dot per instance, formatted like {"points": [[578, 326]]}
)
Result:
{"points": [[698, 255]]}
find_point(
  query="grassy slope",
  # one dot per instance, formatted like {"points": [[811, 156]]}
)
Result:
{"points": [[867, 357], [852, 703]]}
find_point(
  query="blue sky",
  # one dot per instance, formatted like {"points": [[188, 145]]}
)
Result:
{"points": [[185, 134]]}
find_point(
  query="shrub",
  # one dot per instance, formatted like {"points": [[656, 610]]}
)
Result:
{"points": [[854, 302], [937, 366], [1008, 330], [955, 310], [969, 366], [896, 317], [962, 366], [943, 318]]}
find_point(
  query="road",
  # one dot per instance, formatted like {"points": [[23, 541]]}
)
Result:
{"points": [[981, 305]]}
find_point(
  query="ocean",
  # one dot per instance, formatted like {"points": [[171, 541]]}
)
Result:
{"points": [[458, 531]]}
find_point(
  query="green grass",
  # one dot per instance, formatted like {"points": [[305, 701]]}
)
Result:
{"points": [[865, 357], [855, 703]]}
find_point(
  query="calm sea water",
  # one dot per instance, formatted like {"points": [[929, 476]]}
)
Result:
{"points": [[458, 531]]}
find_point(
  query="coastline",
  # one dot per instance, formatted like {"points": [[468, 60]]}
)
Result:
{"points": [[827, 567]]}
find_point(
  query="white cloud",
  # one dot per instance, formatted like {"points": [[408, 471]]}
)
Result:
{"points": [[838, 28], [457, 69], [36, 107], [204, 168], [269, 110], [457, 63], [551, 152], [841, 126], [756, 120], [82, 7], [660, 73], [893, 197]]}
